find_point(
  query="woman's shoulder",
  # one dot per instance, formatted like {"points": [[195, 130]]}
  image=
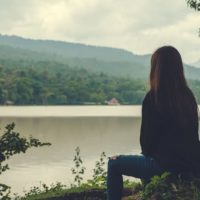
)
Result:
{"points": [[148, 98]]}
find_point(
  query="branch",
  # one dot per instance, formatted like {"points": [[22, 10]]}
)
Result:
{"points": [[194, 4]]}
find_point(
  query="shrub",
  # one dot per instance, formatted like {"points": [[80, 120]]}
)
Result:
{"points": [[12, 143]]}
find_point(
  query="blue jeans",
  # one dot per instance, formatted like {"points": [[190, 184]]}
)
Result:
{"points": [[138, 166]]}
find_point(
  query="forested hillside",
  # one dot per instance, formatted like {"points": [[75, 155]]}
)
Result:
{"points": [[112, 61], [54, 83], [35, 72]]}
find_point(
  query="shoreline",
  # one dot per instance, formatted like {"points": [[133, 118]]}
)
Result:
{"points": [[70, 111]]}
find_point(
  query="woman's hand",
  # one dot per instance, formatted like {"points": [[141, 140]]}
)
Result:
{"points": [[113, 157]]}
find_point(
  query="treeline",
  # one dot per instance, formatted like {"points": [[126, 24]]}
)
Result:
{"points": [[52, 83]]}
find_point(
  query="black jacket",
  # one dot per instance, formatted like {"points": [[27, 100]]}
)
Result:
{"points": [[162, 139]]}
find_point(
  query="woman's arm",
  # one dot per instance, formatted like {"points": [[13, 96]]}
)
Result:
{"points": [[149, 127]]}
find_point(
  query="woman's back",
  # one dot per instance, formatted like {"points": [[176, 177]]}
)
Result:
{"points": [[173, 143]]}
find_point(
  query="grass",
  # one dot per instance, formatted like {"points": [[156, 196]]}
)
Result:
{"points": [[84, 191]]}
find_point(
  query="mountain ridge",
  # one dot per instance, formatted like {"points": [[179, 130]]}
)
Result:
{"points": [[115, 62], [69, 49]]}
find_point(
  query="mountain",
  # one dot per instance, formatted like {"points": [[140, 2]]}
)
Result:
{"points": [[196, 64], [112, 61], [68, 49]]}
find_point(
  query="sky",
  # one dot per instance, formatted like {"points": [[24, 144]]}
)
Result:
{"points": [[140, 26]]}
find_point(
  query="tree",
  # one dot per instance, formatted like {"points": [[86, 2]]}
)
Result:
{"points": [[194, 4]]}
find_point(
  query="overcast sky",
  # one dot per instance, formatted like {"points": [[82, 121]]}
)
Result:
{"points": [[136, 25]]}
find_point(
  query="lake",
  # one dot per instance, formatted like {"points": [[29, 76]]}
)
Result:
{"points": [[112, 129]]}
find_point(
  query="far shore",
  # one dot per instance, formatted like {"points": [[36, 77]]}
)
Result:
{"points": [[40, 111], [71, 111]]}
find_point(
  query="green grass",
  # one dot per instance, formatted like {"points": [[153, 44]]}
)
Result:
{"points": [[58, 191]]}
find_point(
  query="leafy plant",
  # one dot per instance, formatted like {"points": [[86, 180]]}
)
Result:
{"points": [[4, 192], [194, 4], [42, 191], [99, 176], [78, 170], [12, 143], [157, 183], [99, 173], [170, 186]]}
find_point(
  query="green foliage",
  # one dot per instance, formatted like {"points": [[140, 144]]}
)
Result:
{"points": [[53, 83], [12, 143], [44, 191], [59, 191], [157, 183], [194, 4], [99, 174], [78, 170], [168, 187], [132, 184], [30, 82], [4, 192]]}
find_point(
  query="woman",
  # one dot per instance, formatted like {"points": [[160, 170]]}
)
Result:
{"points": [[169, 129]]}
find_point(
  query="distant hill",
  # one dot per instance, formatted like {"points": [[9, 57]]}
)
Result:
{"points": [[196, 64], [68, 49], [112, 61]]}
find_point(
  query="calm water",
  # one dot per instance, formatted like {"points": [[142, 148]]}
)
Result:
{"points": [[113, 129]]}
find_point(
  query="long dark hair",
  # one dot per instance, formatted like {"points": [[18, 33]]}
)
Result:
{"points": [[169, 87]]}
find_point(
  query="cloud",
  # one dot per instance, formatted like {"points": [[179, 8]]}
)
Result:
{"points": [[139, 26]]}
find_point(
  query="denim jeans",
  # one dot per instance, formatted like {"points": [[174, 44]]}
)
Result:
{"points": [[138, 166]]}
